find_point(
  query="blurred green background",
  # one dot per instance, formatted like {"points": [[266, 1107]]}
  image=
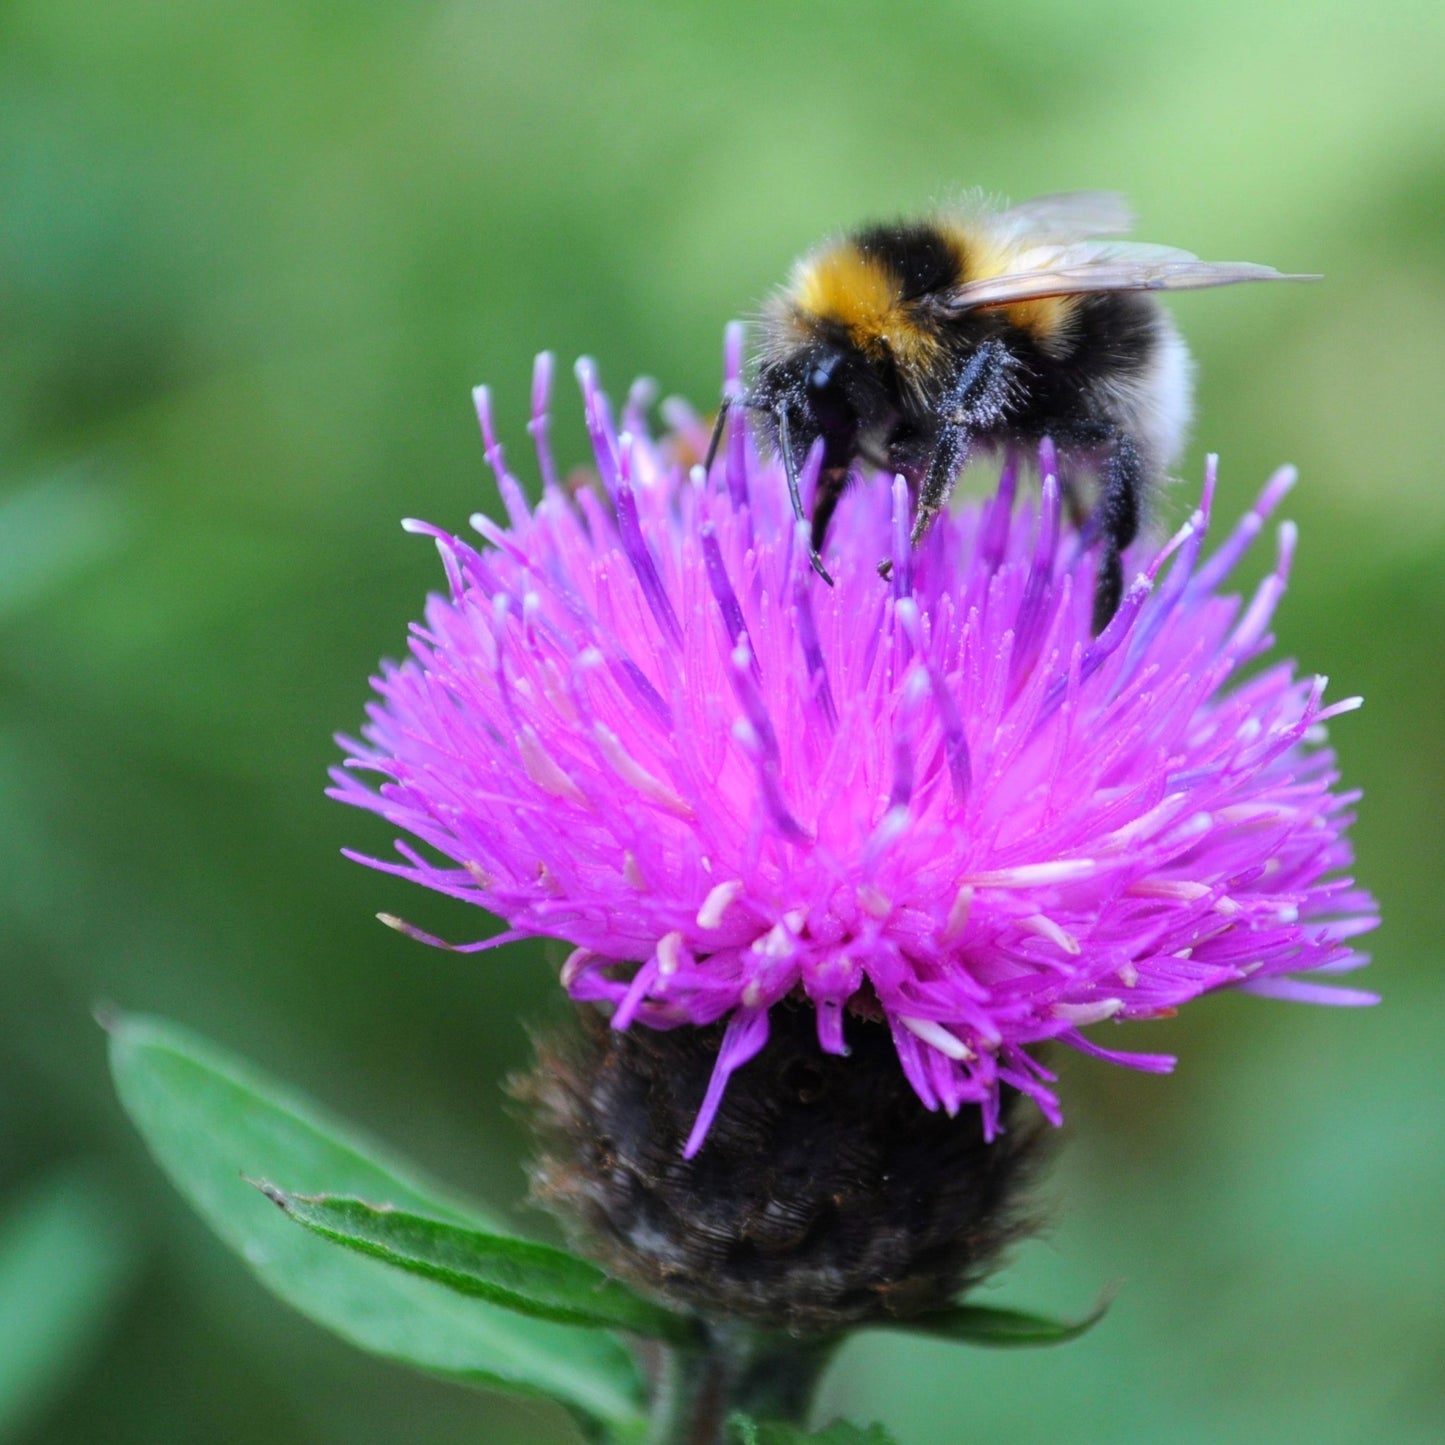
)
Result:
{"points": [[252, 255]]}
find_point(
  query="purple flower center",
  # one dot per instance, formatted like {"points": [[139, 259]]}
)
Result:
{"points": [[638, 721]]}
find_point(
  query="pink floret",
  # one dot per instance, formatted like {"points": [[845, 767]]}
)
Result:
{"points": [[638, 722]]}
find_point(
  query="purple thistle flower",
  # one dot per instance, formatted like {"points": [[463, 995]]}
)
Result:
{"points": [[639, 723]]}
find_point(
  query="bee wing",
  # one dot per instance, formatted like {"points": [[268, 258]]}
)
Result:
{"points": [[1078, 270], [1068, 215]]}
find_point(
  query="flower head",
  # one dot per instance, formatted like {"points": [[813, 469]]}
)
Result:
{"points": [[638, 722]]}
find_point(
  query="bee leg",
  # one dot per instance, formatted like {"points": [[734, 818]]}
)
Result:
{"points": [[1120, 494], [943, 470], [785, 444], [795, 491], [977, 402]]}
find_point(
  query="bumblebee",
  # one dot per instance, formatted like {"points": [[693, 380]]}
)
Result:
{"points": [[910, 347]]}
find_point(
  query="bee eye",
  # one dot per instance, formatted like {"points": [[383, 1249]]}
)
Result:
{"points": [[823, 376]]}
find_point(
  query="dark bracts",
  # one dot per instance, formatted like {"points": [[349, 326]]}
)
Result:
{"points": [[826, 1194]]}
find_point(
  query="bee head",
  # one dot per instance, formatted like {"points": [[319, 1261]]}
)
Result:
{"points": [[829, 391]]}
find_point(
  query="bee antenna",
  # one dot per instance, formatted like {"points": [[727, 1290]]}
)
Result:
{"points": [[729, 400], [715, 440], [795, 491]]}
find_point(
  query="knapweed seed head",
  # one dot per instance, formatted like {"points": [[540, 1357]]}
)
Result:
{"points": [[638, 722]]}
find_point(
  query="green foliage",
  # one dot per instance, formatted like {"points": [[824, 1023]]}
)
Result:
{"points": [[972, 1324], [65, 1259], [772, 1432], [533, 1279], [210, 1120], [50, 531]]}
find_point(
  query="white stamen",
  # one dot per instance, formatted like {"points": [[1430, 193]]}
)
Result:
{"points": [[669, 953], [631, 771], [543, 769], [1180, 889], [1151, 822], [1033, 875], [1045, 927], [777, 942], [717, 902], [576, 962], [1089, 1013], [1254, 813], [934, 1033], [958, 912]]}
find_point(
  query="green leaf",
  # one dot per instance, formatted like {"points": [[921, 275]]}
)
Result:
{"points": [[1000, 1328], [64, 1261], [773, 1432], [49, 530], [210, 1120], [517, 1274]]}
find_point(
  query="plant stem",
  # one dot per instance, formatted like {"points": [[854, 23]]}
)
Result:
{"points": [[760, 1373]]}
